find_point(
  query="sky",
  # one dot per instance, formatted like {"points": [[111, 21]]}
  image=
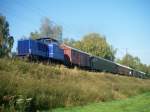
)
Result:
{"points": [[125, 23]]}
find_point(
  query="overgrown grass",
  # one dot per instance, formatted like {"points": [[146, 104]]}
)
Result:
{"points": [[53, 86]]}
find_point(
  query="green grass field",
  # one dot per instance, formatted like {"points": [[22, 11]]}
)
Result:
{"points": [[140, 103]]}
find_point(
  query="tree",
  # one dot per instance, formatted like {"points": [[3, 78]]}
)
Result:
{"points": [[48, 29], [130, 61], [35, 35], [135, 63], [94, 44], [6, 41], [148, 70], [71, 42]]}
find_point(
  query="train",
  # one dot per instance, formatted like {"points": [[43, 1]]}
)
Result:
{"points": [[51, 50]]}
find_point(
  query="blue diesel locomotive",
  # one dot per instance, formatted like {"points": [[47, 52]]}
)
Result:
{"points": [[43, 48]]}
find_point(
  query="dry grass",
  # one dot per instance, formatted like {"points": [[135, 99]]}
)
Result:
{"points": [[54, 86]]}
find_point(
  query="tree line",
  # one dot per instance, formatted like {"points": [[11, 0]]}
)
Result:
{"points": [[92, 43]]}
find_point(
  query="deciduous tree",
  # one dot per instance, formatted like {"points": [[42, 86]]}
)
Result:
{"points": [[6, 41], [94, 44], [48, 29]]}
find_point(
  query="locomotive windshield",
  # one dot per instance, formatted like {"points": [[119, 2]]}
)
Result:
{"points": [[48, 40]]}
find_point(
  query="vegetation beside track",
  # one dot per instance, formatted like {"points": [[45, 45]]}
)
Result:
{"points": [[53, 86]]}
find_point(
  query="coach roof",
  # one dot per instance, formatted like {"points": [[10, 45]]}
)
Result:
{"points": [[76, 49]]}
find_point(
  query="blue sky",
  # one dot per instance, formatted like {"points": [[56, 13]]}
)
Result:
{"points": [[125, 23]]}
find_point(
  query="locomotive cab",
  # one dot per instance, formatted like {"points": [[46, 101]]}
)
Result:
{"points": [[55, 53]]}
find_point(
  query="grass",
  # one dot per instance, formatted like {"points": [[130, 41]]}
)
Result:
{"points": [[53, 86], [139, 103]]}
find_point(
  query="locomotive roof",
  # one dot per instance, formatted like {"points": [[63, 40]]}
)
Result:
{"points": [[48, 38]]}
